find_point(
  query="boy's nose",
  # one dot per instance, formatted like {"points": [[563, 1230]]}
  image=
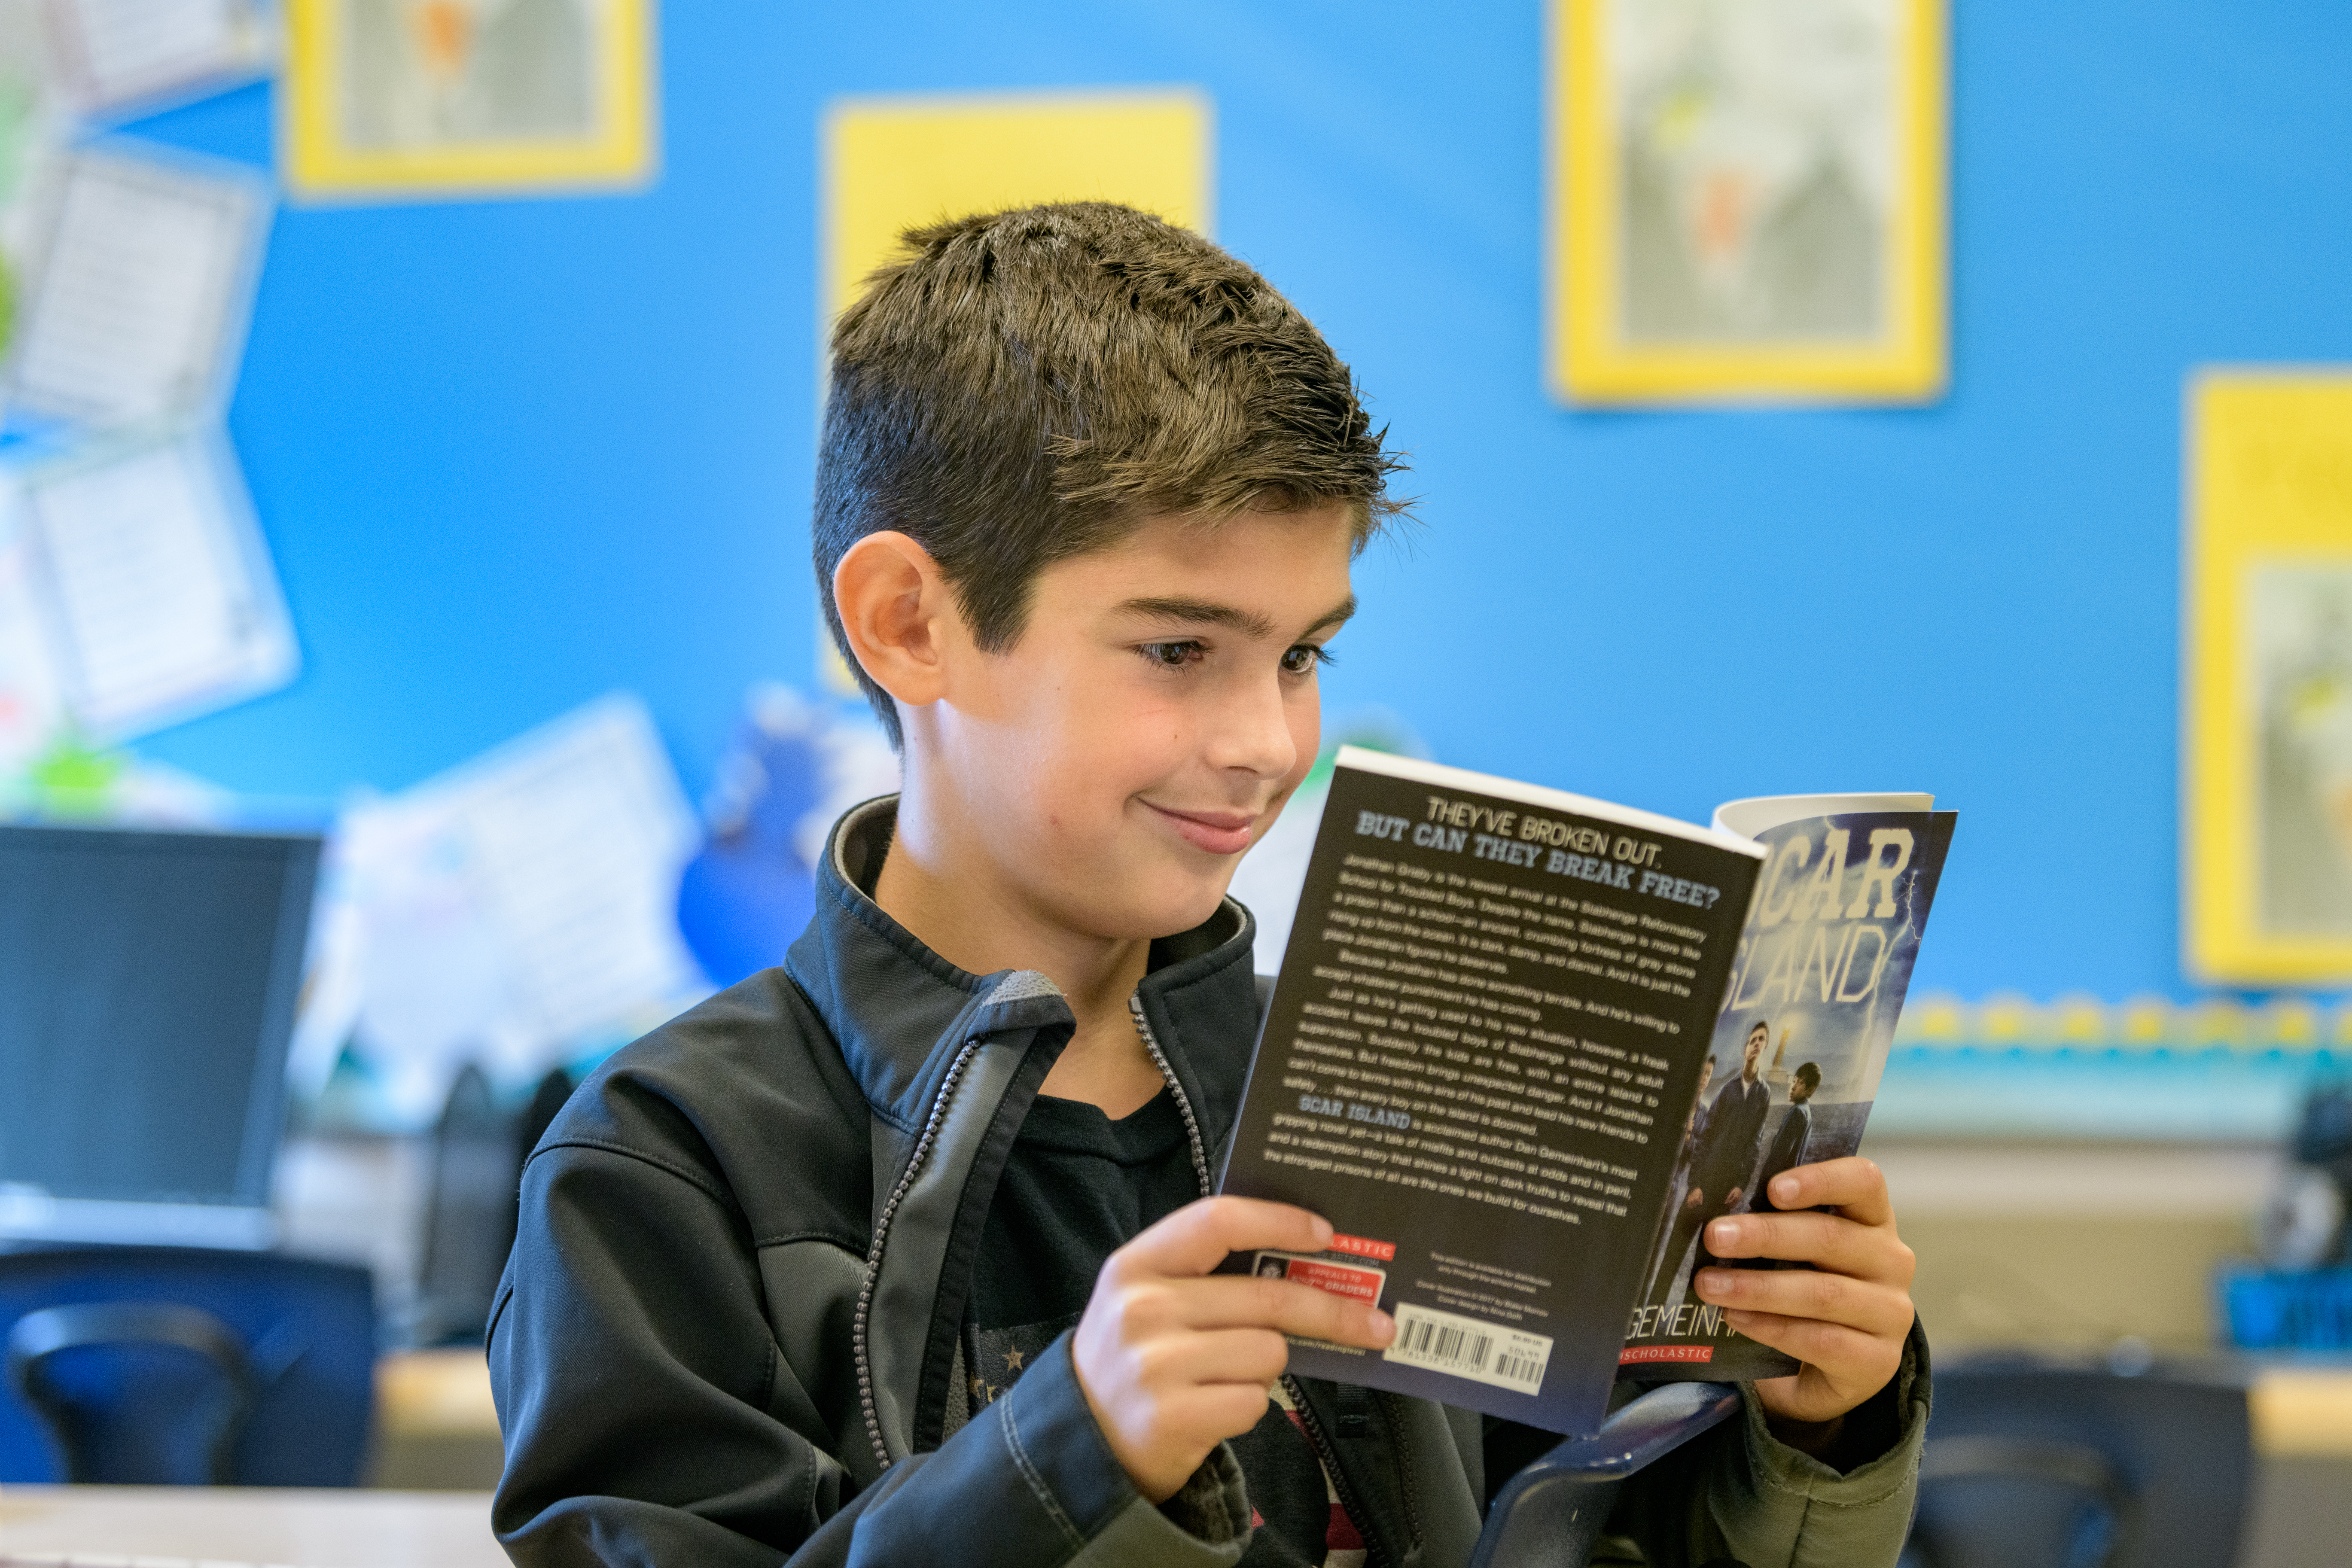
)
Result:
{"points": [[1255, 736]]}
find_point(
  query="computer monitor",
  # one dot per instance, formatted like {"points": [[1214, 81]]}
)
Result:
{"points": [[147, 989]]}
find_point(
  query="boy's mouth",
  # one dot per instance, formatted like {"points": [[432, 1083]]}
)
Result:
{"points": [[1218, 832]]}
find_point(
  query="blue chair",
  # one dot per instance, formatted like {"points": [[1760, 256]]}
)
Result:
{"points": [[185, 1366], [2036, 1465], [1552, 1512]]}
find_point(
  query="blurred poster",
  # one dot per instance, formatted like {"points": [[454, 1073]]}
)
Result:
{"points": [[511, 913], [1752, 200], [2299, 645], [149, 279], [32, 699], [393, 98], [121, 58], [33, 122], [2267, 797], [792, 768], [143, 566]]}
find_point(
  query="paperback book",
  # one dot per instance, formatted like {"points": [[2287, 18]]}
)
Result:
{"points": [[1524, 1044]]}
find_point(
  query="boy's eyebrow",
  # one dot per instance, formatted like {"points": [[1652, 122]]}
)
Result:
{"points": [[1208, 611]]}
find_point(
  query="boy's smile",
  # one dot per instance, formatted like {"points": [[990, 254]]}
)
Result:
{"points": [[1218, 832]]}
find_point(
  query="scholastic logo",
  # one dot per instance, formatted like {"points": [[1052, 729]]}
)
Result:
{"points": [[1361, 1248], [1632, 1354]]}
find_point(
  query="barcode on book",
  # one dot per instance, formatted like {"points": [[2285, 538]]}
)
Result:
{"points": [[1464, 1347]]}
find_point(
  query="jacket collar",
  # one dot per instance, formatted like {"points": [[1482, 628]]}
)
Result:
{"points": [[898, 1010]]}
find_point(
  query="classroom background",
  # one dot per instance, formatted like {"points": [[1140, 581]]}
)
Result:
{"points": [[514, 459]]}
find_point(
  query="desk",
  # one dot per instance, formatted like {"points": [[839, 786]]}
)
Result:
{"points": [[435, 1428], [310, 1528]]}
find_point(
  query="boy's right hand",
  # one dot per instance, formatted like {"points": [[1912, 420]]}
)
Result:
{"points": [[1174, 1360]]}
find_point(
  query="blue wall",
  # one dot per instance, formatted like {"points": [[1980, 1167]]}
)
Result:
{"points": [[510, 455]]}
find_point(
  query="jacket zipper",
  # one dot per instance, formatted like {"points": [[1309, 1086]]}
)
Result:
{"points": [[881, 1230], [1308, 1420], [1326, 1456]]}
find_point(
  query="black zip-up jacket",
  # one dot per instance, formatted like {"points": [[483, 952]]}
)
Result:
{"points": [[729, 1332]]}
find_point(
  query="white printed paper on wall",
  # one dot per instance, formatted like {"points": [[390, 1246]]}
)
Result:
{"points": [[159, 592], [142, 309], [119, 55], [32, 703], [508, 910]]}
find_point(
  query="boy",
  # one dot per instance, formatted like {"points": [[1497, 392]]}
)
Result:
{"points": [[899, 1254]]}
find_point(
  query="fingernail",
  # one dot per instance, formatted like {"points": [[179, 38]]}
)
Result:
{"points": [[1738, 1317], [1784, 1188], [1713, 1282], [1383, 1326], [1323, 1230], [1724, 1232]]}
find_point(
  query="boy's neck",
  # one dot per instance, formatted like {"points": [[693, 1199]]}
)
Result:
{"points": [[934, 885]]}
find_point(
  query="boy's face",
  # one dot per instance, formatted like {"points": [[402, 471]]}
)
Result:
{"points": [[1159, 707]]}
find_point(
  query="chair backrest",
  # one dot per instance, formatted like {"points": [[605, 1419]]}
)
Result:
{"points": [[1552, 1512], [151, 1426], [2030, 1466], [469, 1213], [162, 1365]]}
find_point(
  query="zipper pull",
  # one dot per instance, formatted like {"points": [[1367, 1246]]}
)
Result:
{"points": [[1354, 1406]]}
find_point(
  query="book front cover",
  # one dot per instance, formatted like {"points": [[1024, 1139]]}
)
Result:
{"points": [[1816, 987]]}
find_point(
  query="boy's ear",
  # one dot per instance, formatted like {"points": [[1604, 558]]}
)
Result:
{"points": [[897, 610]]}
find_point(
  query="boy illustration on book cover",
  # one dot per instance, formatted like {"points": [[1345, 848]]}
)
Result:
{"points": [[1816, 986]]}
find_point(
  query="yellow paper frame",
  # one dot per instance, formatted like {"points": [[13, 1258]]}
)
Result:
{"points": [[893, 162], [320, 166], [1588, 358], [2267, 480]]}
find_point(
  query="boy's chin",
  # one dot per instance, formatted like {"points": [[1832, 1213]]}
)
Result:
{"points": [[1171, 905]]}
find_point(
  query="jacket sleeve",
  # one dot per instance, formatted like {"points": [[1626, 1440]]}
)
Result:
{"points": [[1738, 1493], [648, 1417]]}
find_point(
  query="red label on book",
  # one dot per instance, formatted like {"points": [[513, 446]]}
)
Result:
{"points": [[1360, 1282], [1632, 1354], [1361, 1248]]}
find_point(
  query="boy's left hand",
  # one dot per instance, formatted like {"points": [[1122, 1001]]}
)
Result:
{"points": [[1846, 1317]]}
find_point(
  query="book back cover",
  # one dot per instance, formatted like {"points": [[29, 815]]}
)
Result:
{"points": [[1488, 1025]]}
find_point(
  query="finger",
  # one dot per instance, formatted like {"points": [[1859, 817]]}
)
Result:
{"points": [[1248, 1300], [1808, 1293], [1854, 1185], [1825, 1240], [1196, 1238], [1847, 1357], [1255, 1356], [1216, 1410]]}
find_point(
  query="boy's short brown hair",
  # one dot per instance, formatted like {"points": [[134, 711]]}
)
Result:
{"points": [[1022, 387]]}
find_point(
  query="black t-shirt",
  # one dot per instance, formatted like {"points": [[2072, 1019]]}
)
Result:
{"points": [[1077, 1187]]}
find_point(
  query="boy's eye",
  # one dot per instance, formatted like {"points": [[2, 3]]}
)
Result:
{"points": [[1304, 657], [1170, 655]]}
